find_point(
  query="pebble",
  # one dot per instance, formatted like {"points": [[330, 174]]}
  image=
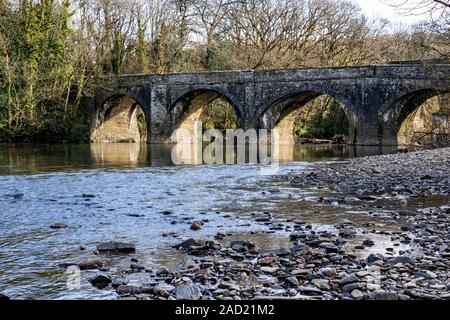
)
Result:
{"points": [[129, 289], [116, 247], [356, 294], [91, 263], [293, 281], [383, 295], [58, 226], [188, 292], [197, 225], [348, 279], [100, 281]]}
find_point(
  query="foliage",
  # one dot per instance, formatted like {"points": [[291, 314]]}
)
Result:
{"points": [[37, 74], [322, 119], [220, 115]]}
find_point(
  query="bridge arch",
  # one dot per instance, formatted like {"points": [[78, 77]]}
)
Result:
{"points": [[120, 119], [192, 105], [282, 112], [395, 111]]}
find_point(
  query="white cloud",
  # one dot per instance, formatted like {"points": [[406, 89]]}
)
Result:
{"points": [[385, 9]]}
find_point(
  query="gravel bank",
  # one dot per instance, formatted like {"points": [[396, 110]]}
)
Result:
{"points": [[320, 264]]}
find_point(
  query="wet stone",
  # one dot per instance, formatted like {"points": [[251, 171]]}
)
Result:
{"points": [[136, 267], [91, 263], [116, 247], [188, 292], [129, 289], [58, 226], [307, 290], [100, 281], [348, 279], [269, 270], [401, 260], [186, 244], [356, 294], [350, 287], [281, 252], [374, 258], [383, 295], [321, 284], [241, 246], [328, 272], [197, 225], [368, 243], [293, 281]]}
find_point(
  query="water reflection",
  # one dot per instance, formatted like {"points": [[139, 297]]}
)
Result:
{"points": [[17, 159]]}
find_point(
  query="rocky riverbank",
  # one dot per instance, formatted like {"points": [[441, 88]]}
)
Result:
{"points": [[334, 263], [417, 174]]}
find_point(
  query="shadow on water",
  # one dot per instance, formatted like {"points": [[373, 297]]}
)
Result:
{"points": [[30, 158]]}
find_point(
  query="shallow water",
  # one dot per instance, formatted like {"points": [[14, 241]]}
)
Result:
{"points": [[131, 185]]}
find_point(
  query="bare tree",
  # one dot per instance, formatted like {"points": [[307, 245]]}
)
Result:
{"points": [[435, 30]]}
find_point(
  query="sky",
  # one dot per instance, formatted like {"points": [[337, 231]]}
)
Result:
{"points": [[382, 9]]}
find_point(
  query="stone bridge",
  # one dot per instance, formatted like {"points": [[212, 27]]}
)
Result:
{"points": [[375, 98]]}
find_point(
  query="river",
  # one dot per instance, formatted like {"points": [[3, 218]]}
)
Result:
{"points": [[118, 192]]}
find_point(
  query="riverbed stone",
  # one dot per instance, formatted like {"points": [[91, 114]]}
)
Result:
{"points": [[136, 267], [188, 292], [348, 279], [322, 284], [100, 281], [356, 294], [401, 260], [351, 287], [368, 243], [91, 263], [186, 244], [280, 252], [269, 269], [383, 295], [58, 226], [241, 245], [374, 258], [293, 281], [197, 225], [328, 272], [129, 289], [116, 247]]}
